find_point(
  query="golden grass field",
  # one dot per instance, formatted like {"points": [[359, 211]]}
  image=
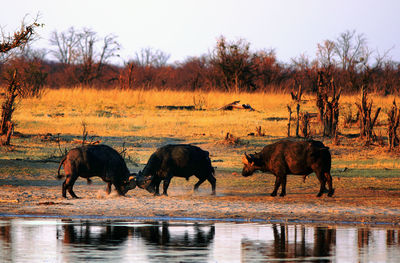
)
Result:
{"points": [[132, 114], [366, 178]]}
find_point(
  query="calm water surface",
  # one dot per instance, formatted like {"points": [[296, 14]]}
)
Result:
{"points": [[73, 240]]}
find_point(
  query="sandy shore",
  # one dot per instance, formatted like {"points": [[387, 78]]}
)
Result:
{"points": [[365, 202]]}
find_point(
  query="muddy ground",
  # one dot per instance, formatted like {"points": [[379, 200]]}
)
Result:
{"points": [[373, 200]]}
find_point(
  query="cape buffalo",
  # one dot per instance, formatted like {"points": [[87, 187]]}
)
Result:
{"points": [[96, 160], [292, 157], [181, 160]]}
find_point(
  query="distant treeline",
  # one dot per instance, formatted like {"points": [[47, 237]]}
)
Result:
{"points": [[81, 58]]}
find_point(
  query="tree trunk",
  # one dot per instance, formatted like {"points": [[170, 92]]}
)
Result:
{"points": [[6, 138], [6, 125]]}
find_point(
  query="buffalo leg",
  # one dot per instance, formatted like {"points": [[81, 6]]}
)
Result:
{"points": [[283, 182], [108, 188], [277, 184], [329, 180], [213, 183], [166, 185], [322, 182], [64, 189], [156, 182], [201, 180], [68, 185]]}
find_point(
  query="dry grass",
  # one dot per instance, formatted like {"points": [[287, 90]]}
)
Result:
{"points": [[132, 113], [124, 112]]}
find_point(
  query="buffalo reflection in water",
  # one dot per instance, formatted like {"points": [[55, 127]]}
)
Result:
{"points": [[103, 235], [156, 236], [298, 247], [194, 238]]}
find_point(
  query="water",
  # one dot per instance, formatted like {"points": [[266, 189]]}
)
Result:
{"points": [[77, 240]]}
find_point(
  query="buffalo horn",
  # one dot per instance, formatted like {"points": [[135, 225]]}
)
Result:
{"points": [[244, 159]]}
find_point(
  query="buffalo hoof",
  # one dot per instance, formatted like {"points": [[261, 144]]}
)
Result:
{"points": [[330, 194], [273, 194], [319, 194], [282, 194]]}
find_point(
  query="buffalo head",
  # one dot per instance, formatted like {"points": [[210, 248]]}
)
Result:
{"points": [[129, 184], [145, 182], [249, 167]]}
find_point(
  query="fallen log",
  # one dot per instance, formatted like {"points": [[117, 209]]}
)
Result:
{"points": [[174, 107], [236, 105]]}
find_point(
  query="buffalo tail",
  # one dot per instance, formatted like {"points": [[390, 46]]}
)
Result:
{"points": [[59, 176]]}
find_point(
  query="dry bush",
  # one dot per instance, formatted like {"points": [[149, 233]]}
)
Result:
{"points": [[230, 139], [349, 118], [305, 124], [393, 124]]}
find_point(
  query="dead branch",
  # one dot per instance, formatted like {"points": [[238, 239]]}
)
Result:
{"points": [[290, 118], [305, 124], [328, 107], [366, 122], [393, 124], [20, 38], [236, 105]]}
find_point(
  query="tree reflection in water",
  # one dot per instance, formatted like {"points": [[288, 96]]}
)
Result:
{"points": [[164, 241]]}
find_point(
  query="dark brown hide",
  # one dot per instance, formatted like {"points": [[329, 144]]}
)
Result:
{"points": [[292, 157], [96, 160], [180, 160]]}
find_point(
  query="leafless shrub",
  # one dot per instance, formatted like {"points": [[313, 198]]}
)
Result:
{"points": [[305, 124], [127, 157], [367, 121], [393, 124], [259, 131], [328, 107], [349, 118], [296, 98], [289, 119], [230, 139], [199, 101]]}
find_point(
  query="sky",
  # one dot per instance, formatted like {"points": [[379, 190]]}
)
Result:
{"points": [[190, 28]]}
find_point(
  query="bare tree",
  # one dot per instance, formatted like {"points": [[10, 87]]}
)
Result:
{"points": [[326, 54], [149, 57], [351, 49], [83, 49], [233, 63], [18, 40], [65, 44]]}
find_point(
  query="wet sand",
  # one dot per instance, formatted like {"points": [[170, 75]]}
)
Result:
{"points": [[356, 200]]}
